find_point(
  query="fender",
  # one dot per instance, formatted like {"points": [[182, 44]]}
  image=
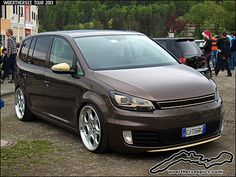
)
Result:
{"points": [[95, 99]]}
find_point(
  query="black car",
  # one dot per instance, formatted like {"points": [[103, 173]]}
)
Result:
{"points": [[187, 51], [200, 43]]}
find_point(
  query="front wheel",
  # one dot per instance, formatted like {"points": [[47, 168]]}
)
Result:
{"points": [[92, 130], [22, 111]]}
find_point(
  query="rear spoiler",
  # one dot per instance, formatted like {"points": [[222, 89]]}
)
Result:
{"points": [[175, 39], [187, 39]]}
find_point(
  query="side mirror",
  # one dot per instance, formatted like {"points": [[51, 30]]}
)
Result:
{"points": [[62, 68]]}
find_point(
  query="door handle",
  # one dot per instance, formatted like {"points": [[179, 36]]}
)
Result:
{"points": [[47, 82], [25, 75]]}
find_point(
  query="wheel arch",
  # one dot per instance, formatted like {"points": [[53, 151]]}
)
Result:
{"points": [[96, 100]]}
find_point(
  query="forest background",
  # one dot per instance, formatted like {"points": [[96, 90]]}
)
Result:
{"points": [[154, 18]]}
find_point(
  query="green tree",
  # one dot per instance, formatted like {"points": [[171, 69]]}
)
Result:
{"points": [[154, 18], [229, 16], [101, 15], [118, 17], [207, 15]]}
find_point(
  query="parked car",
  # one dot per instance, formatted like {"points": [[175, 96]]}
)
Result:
{"points": [[187, 51], [119, 90]]}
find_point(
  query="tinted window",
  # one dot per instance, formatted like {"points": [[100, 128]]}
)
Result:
{"points": [[163, 43], [40, 50], [122, 51], [61, 52], [24, 50], [189, 48], [31, 49]]}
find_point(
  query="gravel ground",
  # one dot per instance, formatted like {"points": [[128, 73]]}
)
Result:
{"points": [[69, 158]]}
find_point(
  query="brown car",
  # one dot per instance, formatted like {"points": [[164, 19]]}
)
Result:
{"points": [[120, 90]]}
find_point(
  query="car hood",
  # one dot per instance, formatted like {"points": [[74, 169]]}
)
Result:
{"points": [[158, 83]]}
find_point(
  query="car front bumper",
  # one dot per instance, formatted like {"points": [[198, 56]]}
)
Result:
{"points": [[161, 130]]}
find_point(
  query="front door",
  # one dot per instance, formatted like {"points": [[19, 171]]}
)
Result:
{"points": [[60, 88]]}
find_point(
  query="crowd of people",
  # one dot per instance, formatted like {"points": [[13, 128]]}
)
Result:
{"points": [[221, 51]]}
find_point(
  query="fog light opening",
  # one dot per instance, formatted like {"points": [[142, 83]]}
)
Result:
{"points": [[127, 135]]}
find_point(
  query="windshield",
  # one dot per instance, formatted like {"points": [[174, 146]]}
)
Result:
{"points": [[189, 49], [122, 52]]}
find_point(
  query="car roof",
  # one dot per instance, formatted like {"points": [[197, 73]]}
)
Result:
{"points": [[175, 39], [84, 33]]}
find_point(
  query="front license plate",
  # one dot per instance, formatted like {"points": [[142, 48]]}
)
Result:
{"points": [[192, 131]]}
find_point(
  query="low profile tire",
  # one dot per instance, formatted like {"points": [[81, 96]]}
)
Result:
{"points": [[23, 112], [92, 130]]}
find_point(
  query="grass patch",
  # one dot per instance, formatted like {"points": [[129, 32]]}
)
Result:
{"points": [[24, 156]]}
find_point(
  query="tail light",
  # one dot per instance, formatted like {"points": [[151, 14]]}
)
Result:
{"points": [[182, 60]]}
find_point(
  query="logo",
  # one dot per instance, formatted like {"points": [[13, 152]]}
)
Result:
{"points": [[192, 157]]}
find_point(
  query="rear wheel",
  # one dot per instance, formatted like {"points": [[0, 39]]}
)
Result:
{"points": [[92, 129], [22, 111]]}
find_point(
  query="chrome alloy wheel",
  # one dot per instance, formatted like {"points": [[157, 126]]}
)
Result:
{"points": [[90, 128], [19, 103]]}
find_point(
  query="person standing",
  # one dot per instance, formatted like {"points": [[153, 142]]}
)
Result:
{"points": [[207, 48], [214, 50], [1, 47], [1, 56], [11, 55], [1, 53], [3, 61], [232, 59], [223, 54]]}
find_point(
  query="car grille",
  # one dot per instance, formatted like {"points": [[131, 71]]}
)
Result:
{"points": [[186, 102], [171, 137]]}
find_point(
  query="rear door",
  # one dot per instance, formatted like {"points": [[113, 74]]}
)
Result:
{"points": [[33, 72], [60, 88]]}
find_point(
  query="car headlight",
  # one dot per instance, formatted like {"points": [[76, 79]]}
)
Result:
{"points": [[128, 102], [217, 95]]}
